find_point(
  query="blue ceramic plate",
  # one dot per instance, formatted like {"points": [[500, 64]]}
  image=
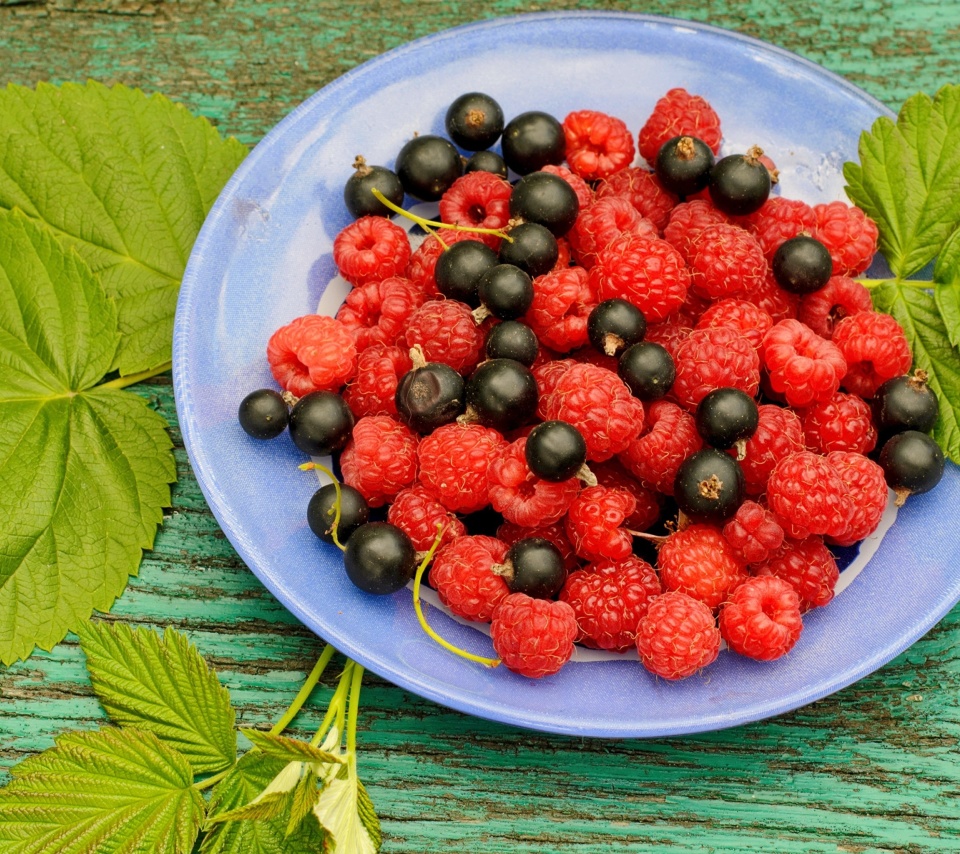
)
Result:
{"points": [[264, 257]]}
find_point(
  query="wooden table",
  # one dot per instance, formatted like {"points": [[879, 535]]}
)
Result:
{"points": [[872, 768]]}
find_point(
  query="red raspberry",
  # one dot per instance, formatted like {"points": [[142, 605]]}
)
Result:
{"points": [[687, 222], [678, 113], [839, 423], [849, 235], [563, 255], [762, 619], [649, 273], [371, 248], [823, 309], [868, 487], [726, 261], [562, 302], [774, 300], [453, 463], [609, 599], [613, 475], [669, 334], [753, 533], [802, 366], [380, 459], [713, 358], [522, 497], [642, 189], [417, 513], [421, 268], [378, 312], [595, 357], [511, 533], [693, 308], [373, 390], [597, 144], [603, 221], [677, 636], [463, 576], [656, 455], [779, 434], [447, 332], [598, 403], [875, 348], [533, 637], [594, 523], [746, 318], [778, 220], [807, 566], [583, 190], [480, 200], [312, 353], [807, 496], [698, 561], [547, 376]]}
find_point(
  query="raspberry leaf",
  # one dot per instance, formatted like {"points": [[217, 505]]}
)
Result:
{"points": [[946, 278], [126, 180], [290, 749]]}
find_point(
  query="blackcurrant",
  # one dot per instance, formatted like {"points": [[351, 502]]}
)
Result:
{"points": [[427, 166], [533, 140], [726, 416], [263, 414], [474, 121], [547, 199], [709, 486], [459, 268], [739, 183], [321, 511], [802, 265], [513, 340], [320, 423], [912, 463], [430, 396], [502, 394], [534, 566], [379, 558], [505, 290], [358, 191], [531, 247], [648, 370], [905, 403], [614, 325], [555, 450], [486, 161], [683, 165]]}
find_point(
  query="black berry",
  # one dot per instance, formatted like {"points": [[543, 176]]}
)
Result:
{"points": [[486, 161], [320, 423], [683, 165], [379, 558], [427, 166], [321, 512], [802, 265], [358, 191], [502, 394], [513, 340], [905, 403], [739, 183], [726, 416], [531, 247], [614, 325], [459, 268], [555, 450], [547, 199], [709, 486], [430, 396], [534, 566], [912, 463], [505, 290], [263, 414], [474, 121], [648, 370], [533, 140]]}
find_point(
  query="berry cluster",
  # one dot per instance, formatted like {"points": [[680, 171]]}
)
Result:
{"points": [[619, 406]]}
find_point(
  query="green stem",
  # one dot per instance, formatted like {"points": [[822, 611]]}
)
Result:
{"points": [[920, 284], [429, 224], [305, 691], [212, 781], [131, 379], [337, 702], [354, 708], [338, 503]]}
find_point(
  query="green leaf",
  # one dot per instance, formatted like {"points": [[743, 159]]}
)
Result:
{"points": [[124, 178], [289, 749], [907, 179], [304, 798], [916, 311], [162, 685], [99, 793], [85, 470], [353, 826], [946, 277]]}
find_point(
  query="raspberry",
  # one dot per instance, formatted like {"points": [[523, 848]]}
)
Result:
{"points": [[453, 462], [726, 261], [843, 422], [599, 404], [312, 353], [563, 255], [687, 222], [774, 300], [656, 455], [807, 566], [547, 376], [377, 312], [417, 513], [371, 248], [753, 533], [480, 200], [762, 619], [595, 357], [678, 113], [751, 321], [380, 459], [868, 487], [669, 334], [522, 497], [698, 561], [422, 265], [613, 475], [597, 144], [693, 308], [875, 348], [609, 598], [594, 523], [373, 390], [779, 434], [642, 189], [849, 235], [462, 574], [807, 496], [511, 533], [677, 636], [533, 637], [603, 221], [778, 220], [713, 358], [802, 366], [447, 332], [649, 273], [583, 190], [562, 302], [823, 309]]}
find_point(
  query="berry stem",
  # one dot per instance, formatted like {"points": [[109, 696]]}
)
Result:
{"points": [[305, 691], [337, 704], [336, 504], [430, 224]]}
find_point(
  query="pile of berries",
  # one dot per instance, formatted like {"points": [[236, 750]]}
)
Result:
{"points": [[619, 406]]}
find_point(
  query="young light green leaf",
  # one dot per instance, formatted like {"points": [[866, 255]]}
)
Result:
{"points": [[124, 178], [304, 798], [289, 749], [354, 828], [101, 792], [946, 277], [907, 178], [86, 469], [162, 684]]}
